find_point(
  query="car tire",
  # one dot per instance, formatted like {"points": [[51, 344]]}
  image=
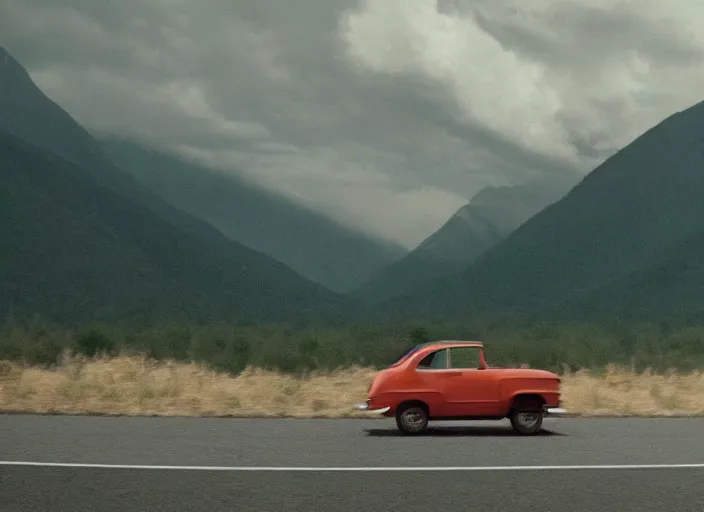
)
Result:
{"points": [[527, 419], [412, 419]]}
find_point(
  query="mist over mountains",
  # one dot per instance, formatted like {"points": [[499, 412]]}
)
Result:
{"points": [[111, 229], [313, 245]]}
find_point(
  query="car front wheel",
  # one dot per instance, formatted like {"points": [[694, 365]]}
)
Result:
{"points": [[412, 419]]}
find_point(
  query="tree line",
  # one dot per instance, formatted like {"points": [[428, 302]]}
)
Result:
{"points": [[232, 347]]}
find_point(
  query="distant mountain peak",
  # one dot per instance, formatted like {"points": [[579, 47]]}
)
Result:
{"points": [[9, 65], [28, 113], [489, 217]]}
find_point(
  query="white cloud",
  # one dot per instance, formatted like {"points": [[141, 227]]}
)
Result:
{"points": [[385, 114], [603, 92], [160, 112], [490, 84]]}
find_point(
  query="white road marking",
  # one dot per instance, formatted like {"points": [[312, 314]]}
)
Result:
{"points": [[351, 469]]}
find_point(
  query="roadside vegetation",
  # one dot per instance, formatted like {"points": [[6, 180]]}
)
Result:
{"points": [[276, 371], [136, 385]]}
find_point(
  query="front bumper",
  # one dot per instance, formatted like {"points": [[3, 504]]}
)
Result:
{"points": [[366, 408]]}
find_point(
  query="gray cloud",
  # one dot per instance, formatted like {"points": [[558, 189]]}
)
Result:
{"points": [[385, 114]]}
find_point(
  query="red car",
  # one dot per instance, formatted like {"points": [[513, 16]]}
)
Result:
{"points": [[450, 380]]}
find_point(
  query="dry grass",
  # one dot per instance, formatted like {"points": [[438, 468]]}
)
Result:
{"points": [[137, 386], [621, 392]]}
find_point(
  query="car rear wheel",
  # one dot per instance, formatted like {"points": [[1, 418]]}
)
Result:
{"points": [[412, 419], [527, 420]]}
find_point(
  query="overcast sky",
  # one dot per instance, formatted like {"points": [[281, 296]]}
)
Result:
{"points": [[386, 114]]}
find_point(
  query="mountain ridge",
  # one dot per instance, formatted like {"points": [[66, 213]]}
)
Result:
{"points": [[620, 219], [37, 135], [486, 219]]}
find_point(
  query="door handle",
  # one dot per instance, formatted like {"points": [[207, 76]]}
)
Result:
{"points": [[454, 374]]}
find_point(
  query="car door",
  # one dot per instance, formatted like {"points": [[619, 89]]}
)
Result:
{"points": [[471, 391], [435, 379], [452, 376]]}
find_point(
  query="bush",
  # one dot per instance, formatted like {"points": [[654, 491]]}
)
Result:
{"points": [[93, 343]]}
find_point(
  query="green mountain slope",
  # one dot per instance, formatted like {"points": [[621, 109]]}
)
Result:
{"points": [[625, 219], [75, 250], [308, 242], [671, 286]]}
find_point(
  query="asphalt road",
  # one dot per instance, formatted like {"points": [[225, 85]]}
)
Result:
{"points": [[347, 465]]}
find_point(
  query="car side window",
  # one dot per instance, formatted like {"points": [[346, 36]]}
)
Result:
{"points": [[466, 358], [437, 360]]}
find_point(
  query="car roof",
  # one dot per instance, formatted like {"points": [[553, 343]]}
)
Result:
{"points": [[450, 343], [438, 344]]}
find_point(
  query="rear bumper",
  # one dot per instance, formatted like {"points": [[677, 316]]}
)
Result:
{"points": [[555, 412], [365, 408]]}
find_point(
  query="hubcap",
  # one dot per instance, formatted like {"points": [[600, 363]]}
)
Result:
{"points": [[528, 419], [413, 419]]}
